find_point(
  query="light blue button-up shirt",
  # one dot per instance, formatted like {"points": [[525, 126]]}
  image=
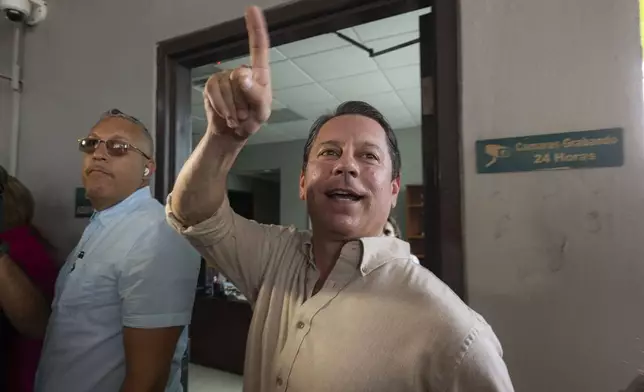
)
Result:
{"points": [[130, 269]]}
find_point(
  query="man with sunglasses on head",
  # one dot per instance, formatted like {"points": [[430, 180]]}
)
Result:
{"points": [[125, 293]]}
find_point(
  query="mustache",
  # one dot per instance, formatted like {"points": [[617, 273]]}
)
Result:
{"points": [[98, 169]]}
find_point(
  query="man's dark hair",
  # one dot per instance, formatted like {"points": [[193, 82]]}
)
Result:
{"points": [[361, 109], [394, 225]]}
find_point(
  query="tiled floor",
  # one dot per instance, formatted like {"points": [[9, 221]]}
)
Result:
{"points": [[203, 379]]}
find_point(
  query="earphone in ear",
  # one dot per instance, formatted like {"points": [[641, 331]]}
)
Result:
{"points": [[146, 172]]}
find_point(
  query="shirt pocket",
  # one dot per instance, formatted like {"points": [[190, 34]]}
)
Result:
{"points": [[73, 294], [91, 285]]}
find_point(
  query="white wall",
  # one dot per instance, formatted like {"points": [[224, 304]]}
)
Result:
{"points": [[555, 260], [86, 57], [6, 48]]}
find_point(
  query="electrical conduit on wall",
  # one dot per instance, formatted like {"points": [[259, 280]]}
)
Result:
{"points": [[642, 22], [21, 13], [16, 93], [641, 2]]}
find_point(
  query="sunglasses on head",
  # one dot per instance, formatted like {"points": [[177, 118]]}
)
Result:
{"points": [[115, 148]]}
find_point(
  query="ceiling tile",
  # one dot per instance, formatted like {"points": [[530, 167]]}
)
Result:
{"points": [[389, 104], [389, 42], [351, 33], [320, 43], [282, 132], [276, 105], [266, 134], [404, 77], [382, 100], [314, 110], [203, 71], [275, 56], [398, 58], [311, 77], [286, 74], [411, 99], [390, 26], [402, 121], [310, 93], [346, 89], [295, 129], [336, 64]]}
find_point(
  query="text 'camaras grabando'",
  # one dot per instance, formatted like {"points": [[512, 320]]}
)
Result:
{"points": [[568, 143]]}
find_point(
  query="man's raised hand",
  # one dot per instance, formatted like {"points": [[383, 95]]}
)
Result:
{"points": [[238, 101]]}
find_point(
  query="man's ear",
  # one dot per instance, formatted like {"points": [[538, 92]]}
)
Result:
{"points": [[395, 191], [302, 188], [150, 169]]}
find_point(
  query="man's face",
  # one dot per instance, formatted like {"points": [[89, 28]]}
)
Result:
{"points": [[347, 184], [109, 179]]}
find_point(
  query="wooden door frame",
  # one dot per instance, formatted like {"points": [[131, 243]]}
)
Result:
{"points": [[441, 138]]}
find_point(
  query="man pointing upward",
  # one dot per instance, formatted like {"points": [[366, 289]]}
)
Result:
{"points": [[341, 308]]}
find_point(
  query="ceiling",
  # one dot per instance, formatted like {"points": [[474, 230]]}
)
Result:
{"points": [[313, 76]]}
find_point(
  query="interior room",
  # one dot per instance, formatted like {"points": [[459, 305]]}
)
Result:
{"points": [[550, 258], [311, 77]]}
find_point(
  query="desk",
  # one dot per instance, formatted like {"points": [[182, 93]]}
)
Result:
{"points": [[218, 333]]}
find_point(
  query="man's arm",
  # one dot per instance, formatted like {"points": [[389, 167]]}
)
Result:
{"points": [[200, 188], [482, 368], [24, 305], [148, 356], [237, 103], [157, 282]]}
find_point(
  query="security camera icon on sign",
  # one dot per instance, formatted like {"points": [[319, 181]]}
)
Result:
{"points": [[496, 151]]}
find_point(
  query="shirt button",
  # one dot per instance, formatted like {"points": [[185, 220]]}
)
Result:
{"points": [[279, 381], [300, 325]]}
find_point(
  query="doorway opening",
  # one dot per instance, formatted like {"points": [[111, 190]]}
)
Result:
{"points": [[376, 62], [323, 54], [442, 237]]}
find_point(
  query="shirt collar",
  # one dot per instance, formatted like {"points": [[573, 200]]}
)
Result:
{"points": [[376, 251], [367, 253], [108, 215]]}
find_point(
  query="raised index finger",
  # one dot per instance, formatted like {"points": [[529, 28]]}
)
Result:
{"points": [[259, 45]]}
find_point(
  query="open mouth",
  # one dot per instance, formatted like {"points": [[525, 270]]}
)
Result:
{"points": [[343, 194]]}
